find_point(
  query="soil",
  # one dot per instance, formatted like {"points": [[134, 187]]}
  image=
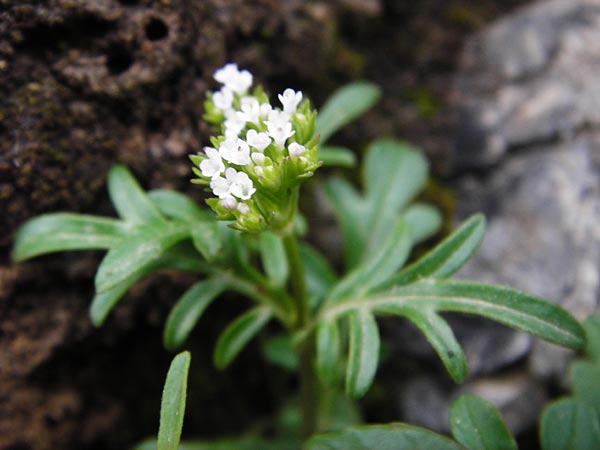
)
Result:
{"points": [[87, 83]]}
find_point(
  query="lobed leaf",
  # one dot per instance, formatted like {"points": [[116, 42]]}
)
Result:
{"points": [[328, 351], [477, 425], [186, 313], [172, 407], [56, 232], [424, 220], [128, 198], [568, 424], [395, 436], [363, 353], [273, 258], [144, 246], [238, 334], [337, 156], [345, 105], [448, 256]]}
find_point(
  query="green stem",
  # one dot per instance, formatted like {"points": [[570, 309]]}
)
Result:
{"points": [[309, 383]]}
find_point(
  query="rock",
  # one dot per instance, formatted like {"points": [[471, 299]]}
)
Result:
{"points": [[529, 78]]}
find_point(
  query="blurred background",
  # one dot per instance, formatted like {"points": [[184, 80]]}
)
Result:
{"points": [[502, 96]]}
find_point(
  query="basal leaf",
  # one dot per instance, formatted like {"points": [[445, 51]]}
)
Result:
{"points": [[172, 406], [477, 425], [345, 105], [145, 245], [65, 231], [328, 351], [441, 338], [568, 424], [424, 221], [186, 313], [128, 198], [363, 353], [507, 306], [448, 256], [394, 436], [337, 156], [273, 258], [238, 334]]}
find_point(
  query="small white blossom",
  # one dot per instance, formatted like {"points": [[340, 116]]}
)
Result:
{"points": [[223, 99], [259, 170], [259, 141], [220, 186], [296, 149], [243, 208], [258, 158], [234, 124], [250, 110], [241, 185], [290, 99], [279, 127], [229, 202], [235, 151], [213, 165], [237, 80], [265, 109]]}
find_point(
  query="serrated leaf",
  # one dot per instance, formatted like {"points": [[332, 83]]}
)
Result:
{"points": [[328, 351], [177, 257], [203, 225], [477, 425], [501, 304], [142, 247], [238, 334], [363, 352], [337, 156], [319, 277], [345, 105], [186, 313], [279, 350], [172, 408], [380, 265], [128, 198], [568, 424], [65, 231], [395, 436], [424, 221], [274, 260], [442, 339], [448, 256]]}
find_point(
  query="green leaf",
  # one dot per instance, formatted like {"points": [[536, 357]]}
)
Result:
{"points": [[64, 231], [177, 257], [238, 334], [592, 331], [172, 407], [318, 274], [345, 105], [363, 353], [203, 225], [448, 256], [130, 201], [328, 351], [442, 339], [235, 443], [279, 350], [273, 258], [507, 306], [395, 436], [568, 424], [585, 379], [186, 313], [424, 221], [145, 245], [477, 425], [337, 156], [378, 267]]}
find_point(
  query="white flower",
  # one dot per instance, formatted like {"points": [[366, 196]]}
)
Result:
{"points": [[265, 109], [243, 208], [296, 149], [258, 158], [213, 165], [229, 202], [234, 124], [241, 184], [237, 80], [250, 109], [223, 99], [279, 127], [259, 141], [220, 186], [235, 151], [290, 99]]}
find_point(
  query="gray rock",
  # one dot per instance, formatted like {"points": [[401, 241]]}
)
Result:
{"points": [[529, 78]]}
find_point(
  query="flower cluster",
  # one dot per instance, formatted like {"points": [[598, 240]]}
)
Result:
{"points": [[263, 153]]}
